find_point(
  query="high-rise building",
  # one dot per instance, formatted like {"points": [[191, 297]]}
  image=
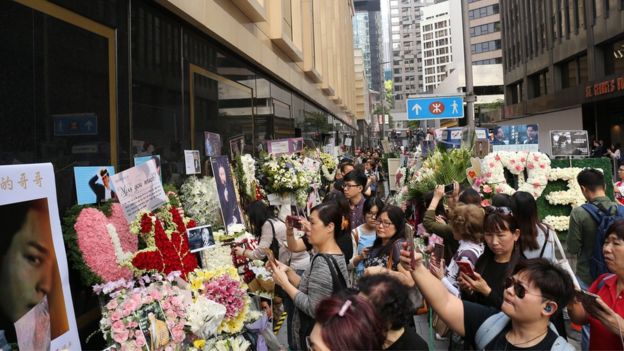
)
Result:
{"points": [[405, 16], [435, 44], [367, 36], [564, 66]]}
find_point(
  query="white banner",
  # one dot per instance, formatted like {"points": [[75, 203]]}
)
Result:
{"points": [[28, 198], [139, 188]]}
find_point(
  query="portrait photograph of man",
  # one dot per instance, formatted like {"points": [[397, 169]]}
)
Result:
{"points": [[29, 271], [225, 187], [200, 238], [93, 184]]}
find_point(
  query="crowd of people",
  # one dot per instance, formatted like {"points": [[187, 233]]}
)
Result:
{"points": [[351, 277]]}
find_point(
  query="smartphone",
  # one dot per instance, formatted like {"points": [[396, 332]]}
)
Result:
{"points": [[438, 253], [295, 222], [269, 255], [466, 268], [448, 188], [409, 238], [587, 298]]}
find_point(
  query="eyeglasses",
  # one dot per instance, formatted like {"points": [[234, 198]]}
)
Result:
{"points": [[384, 223], [350, 186], [519, 289], [504, 210], [309, 344], [371, 215]]}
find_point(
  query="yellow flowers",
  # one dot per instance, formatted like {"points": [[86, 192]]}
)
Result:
{"points": [[199, 344]]}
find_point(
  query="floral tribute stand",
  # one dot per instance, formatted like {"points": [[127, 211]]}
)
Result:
{"points": [[153, 294]]}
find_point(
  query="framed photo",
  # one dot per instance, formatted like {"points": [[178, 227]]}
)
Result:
{"points": [[93, 184], [230, 209], [569, 143], [153, 324], [212, 144], [200, 238], [191, 162], [28, 202], [237, 144]]}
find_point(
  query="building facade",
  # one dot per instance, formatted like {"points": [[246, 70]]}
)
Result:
{"points": [[435, 44], [367, 37], [153, 76], [564, 66], [407, 71]]}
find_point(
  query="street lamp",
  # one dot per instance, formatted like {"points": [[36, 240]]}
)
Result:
{"points": [[383, 100]]}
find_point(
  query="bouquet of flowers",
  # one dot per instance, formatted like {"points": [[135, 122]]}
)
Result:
{"points": [[200, 200], [242, 263], [150, 311], [167, 248], [224, 286], [285, 174], [236, 230], [441, 167], [247, 169]]}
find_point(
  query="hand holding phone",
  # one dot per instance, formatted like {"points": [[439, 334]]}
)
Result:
{"points": [[294, 222], [409, 238], [466, 268], [269, 255], [438, 253], [448, 188]]}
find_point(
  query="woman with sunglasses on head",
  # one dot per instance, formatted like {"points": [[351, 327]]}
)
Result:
{"points": [[533, 293], [467, 224], [501, 234], [605, 312], [536, 238], [346, 322], [327, 273]]}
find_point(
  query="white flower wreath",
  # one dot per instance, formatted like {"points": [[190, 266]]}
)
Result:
{"points": [[537, 165]]}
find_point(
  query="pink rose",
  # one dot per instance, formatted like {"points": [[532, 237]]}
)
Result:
{"points": [[487, 189], [155, 294], [513, 161], [139, 338], [530, 165], [166, 305], [112, 304], [488, 175], [536, 158], [542, 166], [121, 336], [497, 158], [136, 297], [518, 168], [115, 316], [491, 165], [169, 348], [485, 203], [523, 159], [536, 185], [118, 326], [178, 334]]}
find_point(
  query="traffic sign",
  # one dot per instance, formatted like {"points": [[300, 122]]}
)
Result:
{"points": [[435, 107], [75, 124]]}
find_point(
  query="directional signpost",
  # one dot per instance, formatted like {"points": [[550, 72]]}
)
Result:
{"points": [[435, 107]]}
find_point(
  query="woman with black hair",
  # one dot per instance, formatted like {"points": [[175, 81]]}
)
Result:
{"points": [[271, 234], [537, 240], [501, 234], [327, 273], [386, 249], [364, 235], [394, 304]]}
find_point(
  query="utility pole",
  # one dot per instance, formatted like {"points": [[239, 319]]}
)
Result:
{"points": [[470, 97]]}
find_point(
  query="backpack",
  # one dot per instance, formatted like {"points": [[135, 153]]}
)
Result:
{"points": [[495, 324], [306, 323], [604, 218]]}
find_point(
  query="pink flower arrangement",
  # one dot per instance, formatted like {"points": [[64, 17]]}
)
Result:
{"points": [[226, 291], [97, 246], [120, 316]]}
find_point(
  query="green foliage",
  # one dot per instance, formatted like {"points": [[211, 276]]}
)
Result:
{"points": [[546, 209]]}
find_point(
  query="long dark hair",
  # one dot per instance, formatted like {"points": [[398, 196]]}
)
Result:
{"points": [[340, 200], [525, 212], [259, 213], [396, 216]]}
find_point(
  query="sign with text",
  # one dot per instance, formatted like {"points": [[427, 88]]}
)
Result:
{"points": [[569, 142], [191, 162], [139, 188], [435, 107], [34, 254], [276, 147]]}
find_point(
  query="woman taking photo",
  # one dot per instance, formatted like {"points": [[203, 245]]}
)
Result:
{"points": [[604, 313], [467, 224], [386, 249], [501, 233], [326, 274], [537, 240]]}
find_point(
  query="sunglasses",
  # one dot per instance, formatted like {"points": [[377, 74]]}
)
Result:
{"points": [[519, 289], [504, 210]]}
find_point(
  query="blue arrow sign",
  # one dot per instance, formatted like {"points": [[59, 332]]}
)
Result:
{"points": [[435, 108], [75, 124]]}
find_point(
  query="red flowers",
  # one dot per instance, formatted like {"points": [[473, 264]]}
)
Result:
{"points": [[170, 253]]}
